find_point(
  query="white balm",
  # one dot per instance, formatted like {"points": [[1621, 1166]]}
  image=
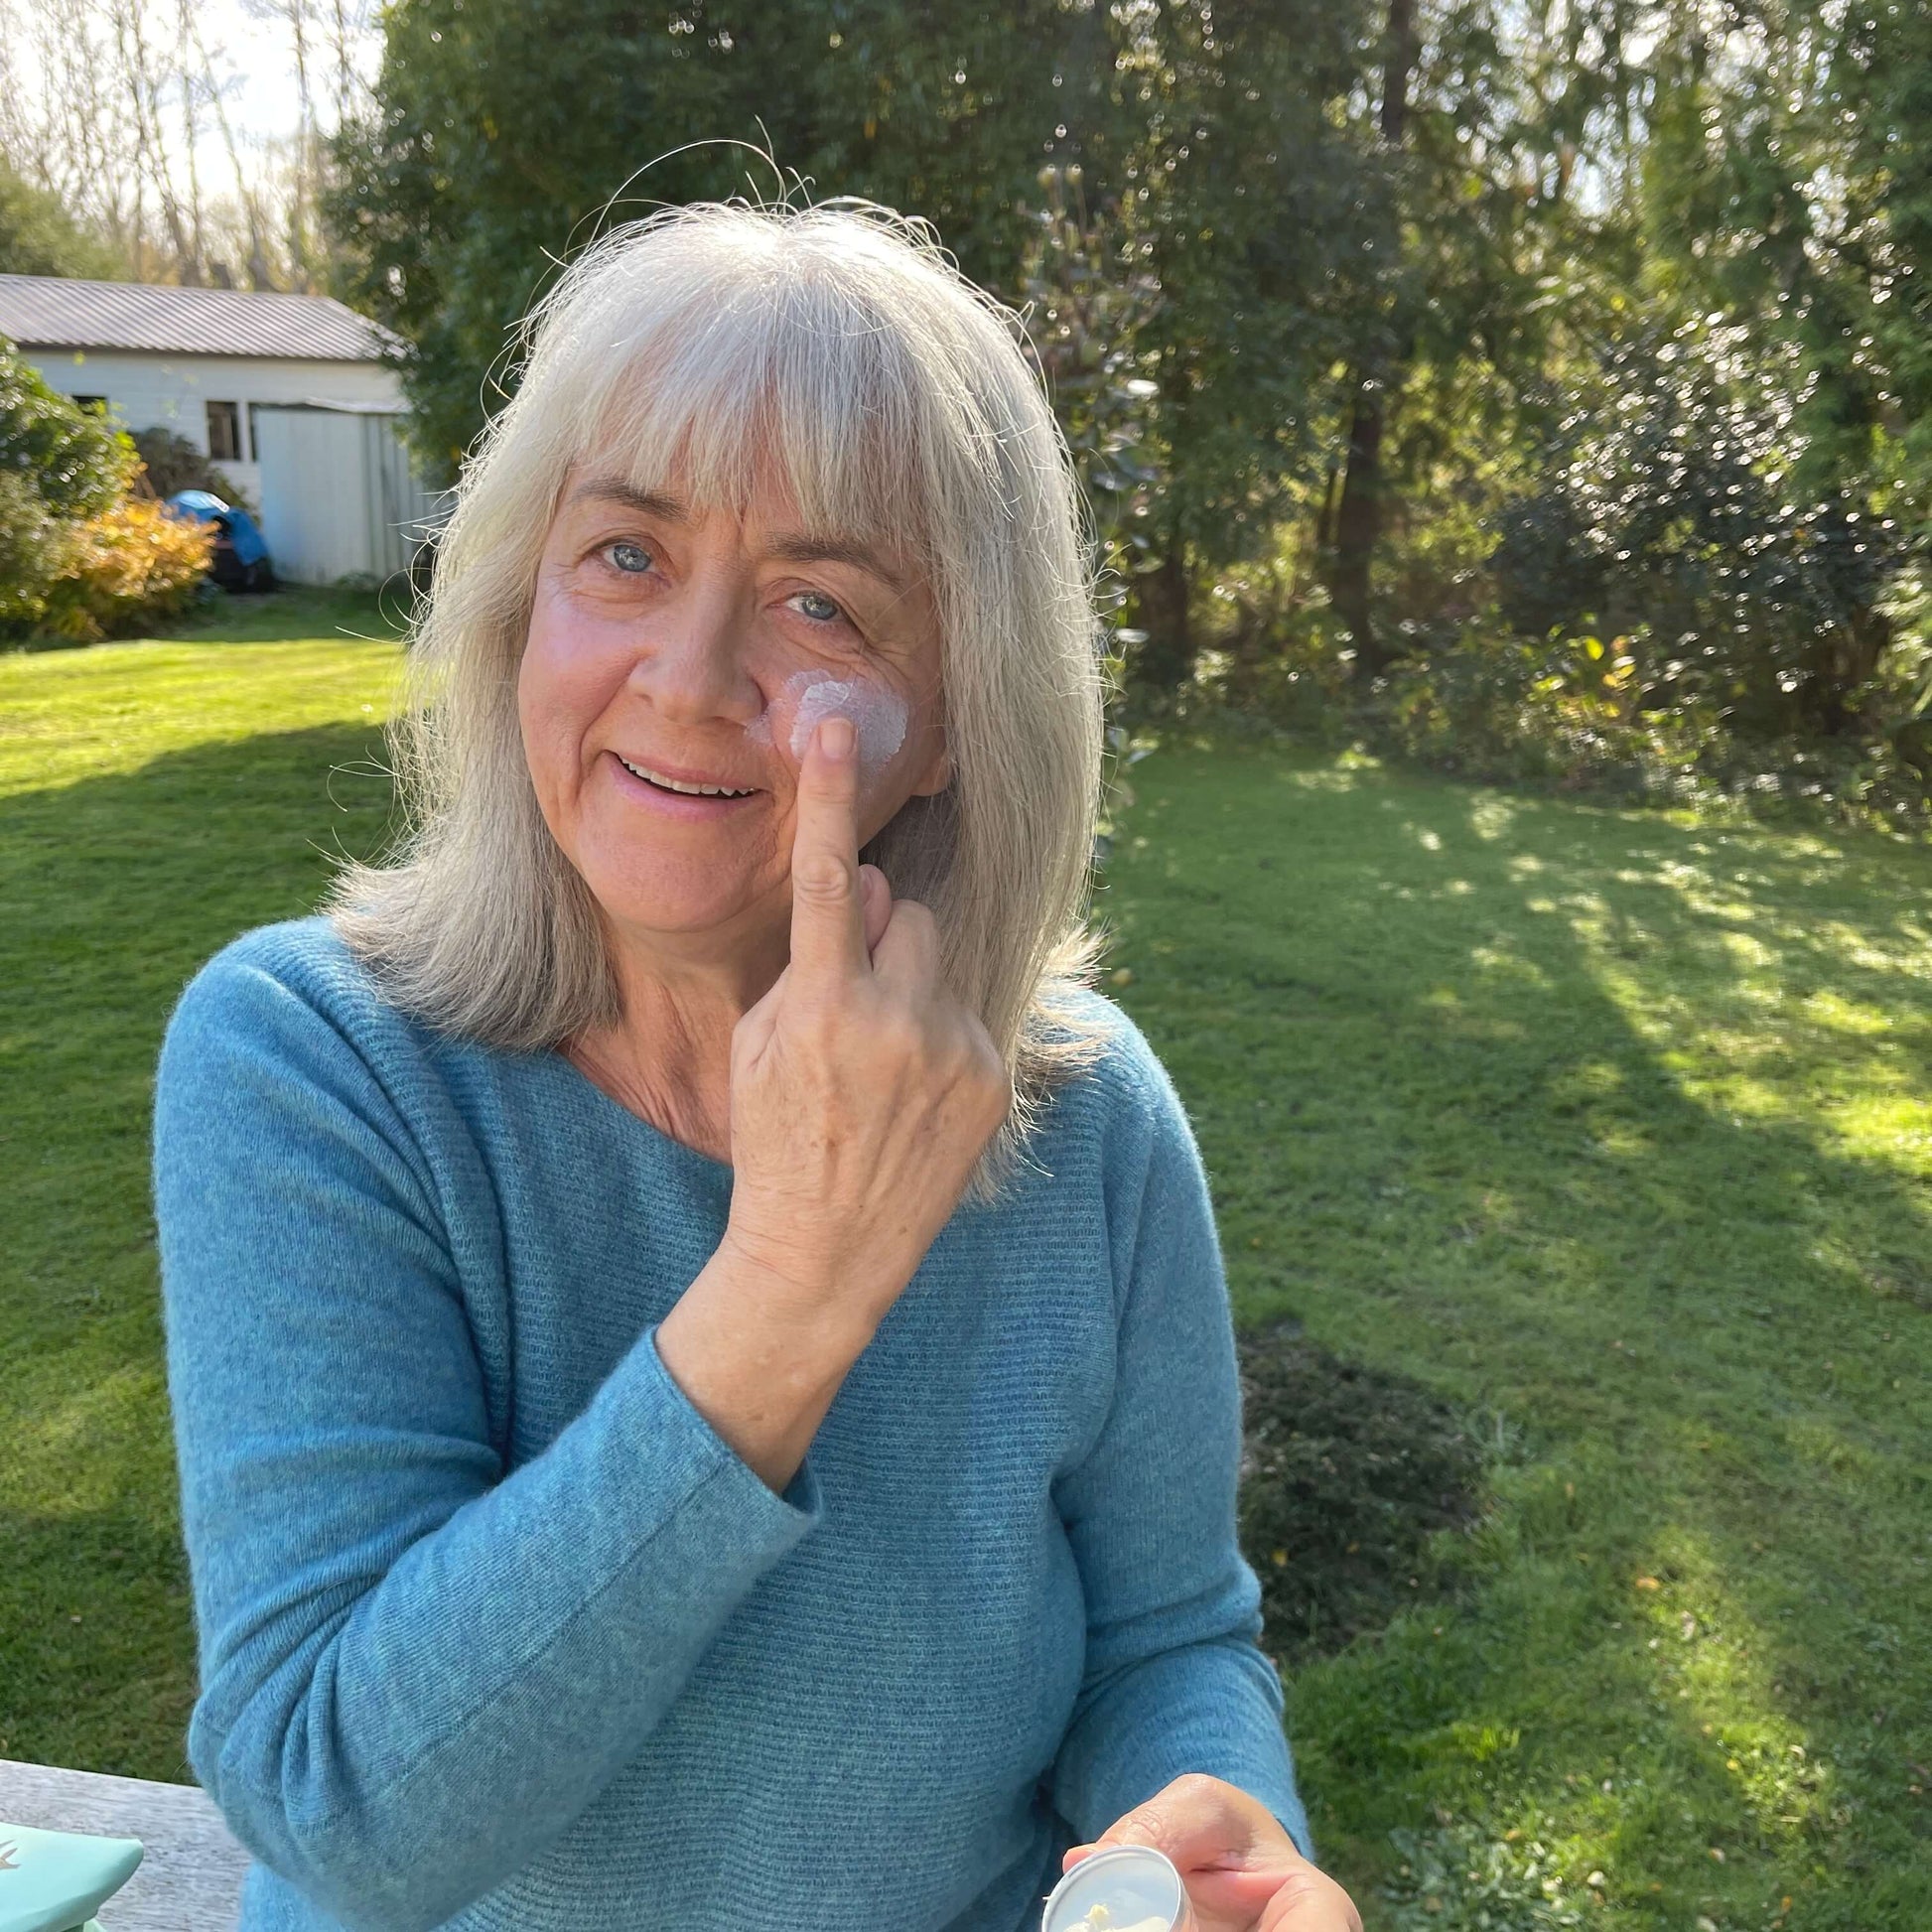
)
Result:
{"points": [[879, 717]]}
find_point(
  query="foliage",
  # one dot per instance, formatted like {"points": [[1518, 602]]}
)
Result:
{"points": [[32, 550], [39, 236], [78, 558], [1086, 303], [174, 464], [77, 463], [125, 571], [498, 144], [1642, 297], [1667, 517]]}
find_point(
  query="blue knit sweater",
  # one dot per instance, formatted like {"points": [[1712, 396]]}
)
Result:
{"points": [[496, 1632]]}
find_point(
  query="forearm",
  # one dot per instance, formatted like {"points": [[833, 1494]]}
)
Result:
{"points": [[758, 1361], [1213, 1708], [398, 1746]]}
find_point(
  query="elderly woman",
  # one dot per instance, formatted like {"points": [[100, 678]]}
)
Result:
{"points": [[703, 1377]]}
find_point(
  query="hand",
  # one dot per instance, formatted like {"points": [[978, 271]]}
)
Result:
{"points": [[1241, 1869], [862, 1092]]}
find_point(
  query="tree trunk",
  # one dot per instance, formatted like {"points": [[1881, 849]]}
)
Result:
{"points": [[1358, 517], [1168, 656]]}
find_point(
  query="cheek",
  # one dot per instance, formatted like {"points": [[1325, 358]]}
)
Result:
{"points": [[563, 684], [877, 712]]}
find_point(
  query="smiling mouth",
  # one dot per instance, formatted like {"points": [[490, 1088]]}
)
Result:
{"points": [[689, 787]]}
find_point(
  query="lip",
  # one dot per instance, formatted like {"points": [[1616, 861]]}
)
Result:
{"points": [[677, 804], [686, 776]]}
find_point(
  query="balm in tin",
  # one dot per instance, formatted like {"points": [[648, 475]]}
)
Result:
{"points": [[1126, 1889]]}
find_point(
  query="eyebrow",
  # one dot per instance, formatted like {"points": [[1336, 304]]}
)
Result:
{"points": [[613, 490], [803, 548]]}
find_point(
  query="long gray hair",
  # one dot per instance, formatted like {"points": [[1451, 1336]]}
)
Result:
{"points": [[838, 343]]}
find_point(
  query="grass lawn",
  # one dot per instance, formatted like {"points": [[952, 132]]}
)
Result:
{"points": [[1611, 1128]]}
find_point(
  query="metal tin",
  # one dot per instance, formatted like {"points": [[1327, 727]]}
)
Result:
{"points": [[1135, 1887]]}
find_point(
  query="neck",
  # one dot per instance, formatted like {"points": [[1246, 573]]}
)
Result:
{"points": [[667, 1059]]}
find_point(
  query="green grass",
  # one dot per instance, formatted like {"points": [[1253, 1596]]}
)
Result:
{"points": [[1610, 1127], [1616, 1125], [155, 799]]}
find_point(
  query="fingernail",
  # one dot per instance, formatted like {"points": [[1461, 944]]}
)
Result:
{"points": [[834, 738]]}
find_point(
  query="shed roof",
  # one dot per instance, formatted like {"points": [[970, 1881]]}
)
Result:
{"points": [[54, 312]]}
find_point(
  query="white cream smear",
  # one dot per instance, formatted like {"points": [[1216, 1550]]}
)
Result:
{"points": [[879, 716]]}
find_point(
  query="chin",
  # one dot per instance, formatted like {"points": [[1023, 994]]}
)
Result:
{"points": [[669, 899]]}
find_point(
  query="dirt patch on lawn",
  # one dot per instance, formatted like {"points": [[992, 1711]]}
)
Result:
{"points": [[1346, 1473]]}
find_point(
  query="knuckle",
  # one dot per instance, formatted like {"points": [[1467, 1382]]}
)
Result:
{"points": [[898, 1034], [1194, 1788], [822, 876]]}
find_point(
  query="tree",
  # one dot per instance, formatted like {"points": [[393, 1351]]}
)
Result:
{"points": [[40, 237], [497, 144]]}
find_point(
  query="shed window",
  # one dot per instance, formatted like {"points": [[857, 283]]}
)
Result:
{"points": [[224, 432]]}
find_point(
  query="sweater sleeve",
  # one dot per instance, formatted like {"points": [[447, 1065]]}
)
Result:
{"points": [[416, 1669], [1174, 1680]]}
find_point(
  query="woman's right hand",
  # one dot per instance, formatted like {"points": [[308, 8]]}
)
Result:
{"points": [[862, 1092]]}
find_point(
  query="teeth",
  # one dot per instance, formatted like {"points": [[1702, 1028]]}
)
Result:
{"points": [[678, 784]]}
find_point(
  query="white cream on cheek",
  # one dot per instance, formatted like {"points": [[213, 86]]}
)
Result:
{"points": [[879, 717]]}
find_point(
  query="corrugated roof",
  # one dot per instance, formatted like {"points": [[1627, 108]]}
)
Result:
{"points": [[53, 312]]}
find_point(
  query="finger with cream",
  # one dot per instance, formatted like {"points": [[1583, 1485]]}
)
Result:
{"points": [[879, 717]]}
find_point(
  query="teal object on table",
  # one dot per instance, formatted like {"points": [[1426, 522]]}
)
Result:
{"points": [[55, 1881]]}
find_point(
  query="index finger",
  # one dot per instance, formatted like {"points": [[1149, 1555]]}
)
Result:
{"points": [[828, 934]]}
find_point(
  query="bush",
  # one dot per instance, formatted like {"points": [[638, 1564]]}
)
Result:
{"points": [[33, 547], [173, 463], [124, 571], [1670, 514], [77, 465]]}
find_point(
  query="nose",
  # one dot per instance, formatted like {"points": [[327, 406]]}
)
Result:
{"points": [[690, 666]]}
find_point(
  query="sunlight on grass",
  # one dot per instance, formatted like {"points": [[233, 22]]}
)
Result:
{"points": [[157, 799], [1629, 1142], [71, 715]]}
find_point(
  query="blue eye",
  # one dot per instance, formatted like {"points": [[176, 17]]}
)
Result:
{"points": [[631, 558], [818, 607]]}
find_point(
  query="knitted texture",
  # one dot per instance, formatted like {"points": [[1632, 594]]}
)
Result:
{"points": [[496, 1633]]}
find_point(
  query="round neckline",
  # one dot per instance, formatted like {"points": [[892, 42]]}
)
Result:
{"points": [[575, 1077]]}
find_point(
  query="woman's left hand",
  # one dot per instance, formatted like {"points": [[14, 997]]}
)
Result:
{"points": [[1241, 1869]]}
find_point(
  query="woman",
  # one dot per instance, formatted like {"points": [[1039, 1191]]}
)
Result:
{"points": [[704, 1385]]}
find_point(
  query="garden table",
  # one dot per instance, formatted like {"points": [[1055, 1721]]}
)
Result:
{"points": [[190, 1879]]}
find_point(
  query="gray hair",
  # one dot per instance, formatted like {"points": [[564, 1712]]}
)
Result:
{"points": [[840, 343]]}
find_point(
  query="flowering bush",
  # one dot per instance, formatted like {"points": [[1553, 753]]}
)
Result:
{"points": [[123, 571]]}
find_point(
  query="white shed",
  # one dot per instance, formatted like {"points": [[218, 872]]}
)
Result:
{"points": [[219, 368], [374, 513]]}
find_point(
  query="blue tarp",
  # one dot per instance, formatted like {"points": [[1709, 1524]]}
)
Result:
{"points": [[206, 507]]}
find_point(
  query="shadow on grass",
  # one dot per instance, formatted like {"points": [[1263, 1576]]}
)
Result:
{"points": [[112, 893], [1570, 1114], [1350, 1473], [97, 1640]]}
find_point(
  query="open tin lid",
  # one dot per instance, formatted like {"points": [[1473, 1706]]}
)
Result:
{"points": [[1127, 1888]]}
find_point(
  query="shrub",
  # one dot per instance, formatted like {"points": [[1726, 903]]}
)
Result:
{"points": [[77, 463], [1670, 513], [33, 546], [125, 570], [173, 463]]}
